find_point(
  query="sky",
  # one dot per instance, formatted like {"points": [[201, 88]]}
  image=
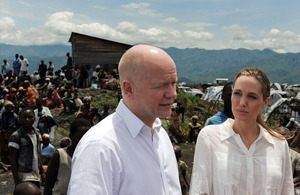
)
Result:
{"points": [[206, 24]]}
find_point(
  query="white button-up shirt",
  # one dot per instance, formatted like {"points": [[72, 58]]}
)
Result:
{"points": [[117, 156], [223, 164], [24, 64]]}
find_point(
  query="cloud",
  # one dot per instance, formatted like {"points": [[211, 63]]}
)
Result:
{"points": [[99, 7], [60, 23], [200, 26], [8, 30], [237, 32], [127, 27], [135, 5], [275, 40], [170, 20], [203, 36], [142, 8], [58, 27], [25, 3]]}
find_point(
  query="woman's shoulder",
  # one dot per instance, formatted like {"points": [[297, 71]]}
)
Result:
{"points": [[212, 130]]}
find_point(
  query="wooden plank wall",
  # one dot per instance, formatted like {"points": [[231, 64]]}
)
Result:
{"points": [[89, 50]]}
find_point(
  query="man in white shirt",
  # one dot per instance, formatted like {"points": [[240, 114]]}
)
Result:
{"points": [[129, 152], [24, 65]]}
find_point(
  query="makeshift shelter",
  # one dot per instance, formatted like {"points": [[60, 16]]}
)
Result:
{"points": [[96, 51], [284, 107], [213, 93]]}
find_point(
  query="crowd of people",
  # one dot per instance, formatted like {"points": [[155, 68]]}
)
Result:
{"points": [[129, 152], [26, 102]]}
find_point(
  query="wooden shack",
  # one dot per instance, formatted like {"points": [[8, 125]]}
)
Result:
{"points": [[95, 51]]}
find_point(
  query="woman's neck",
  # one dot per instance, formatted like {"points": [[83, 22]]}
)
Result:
{"points": [[247, 131]]}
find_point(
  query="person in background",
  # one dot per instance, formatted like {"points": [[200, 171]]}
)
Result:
{"points": [[194, 129], [221, 117], [83, 76], [5, 67], [17, 65], [105, 112], [50, 68], [89, 71], [9, 123], [47, 149], [182, 169], [42, 70], [27, 188], [25, 151], [173, 121], [31, 92], [53, 99], [88, 112], [69, 60], [243, 155], [35, 77], [64, 142], [77, 100], [59, 169], [44, 120], [14, 98], [24, 66], [75, 75], [129, 151], [293, 125], [295, 157]]}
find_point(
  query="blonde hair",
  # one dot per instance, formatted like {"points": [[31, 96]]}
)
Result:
{"points": [[265, 87]]}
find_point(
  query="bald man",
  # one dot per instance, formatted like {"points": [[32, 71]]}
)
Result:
{"points": [[129, 152]]}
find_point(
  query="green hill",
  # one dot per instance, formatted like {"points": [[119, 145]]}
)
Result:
{"points": [[201, 66], [194, 65]]}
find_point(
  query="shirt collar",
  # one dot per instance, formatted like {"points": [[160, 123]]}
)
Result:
{"points": [[226, 132], [265, 135], [133, 123]]}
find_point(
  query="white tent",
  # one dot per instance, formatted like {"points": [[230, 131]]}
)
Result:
{"points": [[213, 93]]}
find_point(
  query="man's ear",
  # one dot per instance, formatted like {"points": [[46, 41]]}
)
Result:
{"points": [[128, 88]]}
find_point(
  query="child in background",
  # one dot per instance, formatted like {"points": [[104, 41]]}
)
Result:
{"points": [[59, 169], [182, 170]]}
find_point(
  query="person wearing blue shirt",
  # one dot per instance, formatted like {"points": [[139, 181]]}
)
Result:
{"points": [[5, 67], [47, 149], [221, 117], [17, 65]]}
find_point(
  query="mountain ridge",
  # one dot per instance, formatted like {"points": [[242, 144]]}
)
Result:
{"points": [[194, 65]]}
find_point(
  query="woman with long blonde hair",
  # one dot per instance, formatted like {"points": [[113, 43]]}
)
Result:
{"points": [[243, 156]]}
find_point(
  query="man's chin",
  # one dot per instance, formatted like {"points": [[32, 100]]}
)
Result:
{"points": [[165, 114]]}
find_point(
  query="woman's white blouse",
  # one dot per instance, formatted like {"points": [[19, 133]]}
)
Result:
{"points": [[223, 164]]}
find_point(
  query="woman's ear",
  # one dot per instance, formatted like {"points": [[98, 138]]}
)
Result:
{"points": [[266, 102]]}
